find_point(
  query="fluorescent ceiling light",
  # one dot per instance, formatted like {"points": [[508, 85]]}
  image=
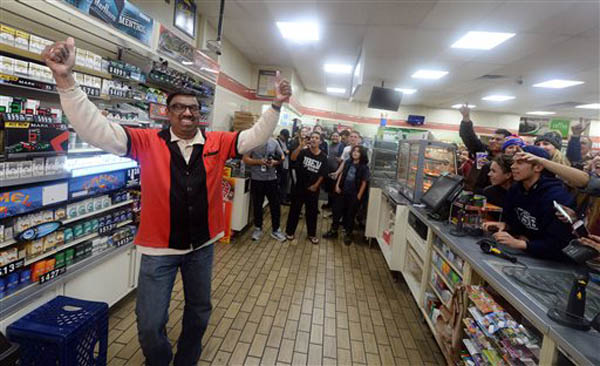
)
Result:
{"points": [[589, 106], [429, 74], [406, 91], [482, 40], [558, 84], [299, 31], [459, 106], [336, 90], [541, 113], [187, 63], [338, 68], [498, 98]]}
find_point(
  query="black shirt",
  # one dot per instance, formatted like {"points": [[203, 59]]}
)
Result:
{"points": [[495, 195], [310, 167]]}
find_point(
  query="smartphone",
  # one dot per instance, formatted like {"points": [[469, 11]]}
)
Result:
{"points": [[580, 230], [562, 211]]}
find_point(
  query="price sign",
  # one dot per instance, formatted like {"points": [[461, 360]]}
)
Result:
{"points": [[122, 242], [48, 276], [118, 93], [117, 71], [106, 229], [11, 267], [132, 178], [93, 92]]}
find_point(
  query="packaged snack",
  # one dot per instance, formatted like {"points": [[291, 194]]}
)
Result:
{"points": [[37, 270], [12, 281], [1, 233], [80, 57], [23, 223], [97, 62], [12, 170], [69, 253], [2, 171], [10, 255], [72, 211], [60, 213], [22, 40], [36, 248], [38, 167], [25, 277], [89, 59], [60, 259], [78, 77], [50, 164], [87, 80], [50, 264], [95, 225], [26, 169], [7, 35]]}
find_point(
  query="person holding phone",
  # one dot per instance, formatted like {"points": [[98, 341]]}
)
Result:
{"points": [[529, 220]]}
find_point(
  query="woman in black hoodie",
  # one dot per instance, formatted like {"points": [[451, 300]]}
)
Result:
{"points": [[350, 190]]}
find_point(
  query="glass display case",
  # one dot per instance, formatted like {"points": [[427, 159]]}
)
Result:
{"points": [[420, 162], [383, 159]]}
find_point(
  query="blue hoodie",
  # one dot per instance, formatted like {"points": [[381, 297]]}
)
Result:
{"points": [[532, 214]]}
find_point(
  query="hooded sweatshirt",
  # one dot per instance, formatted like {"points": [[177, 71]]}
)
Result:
{"points": [[532, 214]]}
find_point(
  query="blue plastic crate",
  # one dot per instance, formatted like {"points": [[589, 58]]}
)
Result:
{"points": [[65, 332]]}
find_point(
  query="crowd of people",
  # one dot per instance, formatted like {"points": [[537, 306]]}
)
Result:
{"points": [[528, 180], [293, 170]]}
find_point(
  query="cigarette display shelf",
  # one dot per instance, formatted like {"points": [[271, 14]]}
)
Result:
{"points": [[9, 50], [40, 179]]}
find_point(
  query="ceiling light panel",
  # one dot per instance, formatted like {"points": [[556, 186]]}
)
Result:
{"points": [[589, 106], [557, 84], [406, 91], [299, 31], [482, 40], [429, 74], [498, 98], [336, 90], [541, 113], [459, 106], [338, 68]]}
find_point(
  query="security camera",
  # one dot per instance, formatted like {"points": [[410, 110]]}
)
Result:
{"points": [[214, 46]]}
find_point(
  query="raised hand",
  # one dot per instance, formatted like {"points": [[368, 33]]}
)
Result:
{"points": [[283, 90], [582, 126], [60, 58], [466, 112]]}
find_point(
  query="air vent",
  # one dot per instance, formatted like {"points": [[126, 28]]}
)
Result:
{"points": [[492, 77], [563, 105]]}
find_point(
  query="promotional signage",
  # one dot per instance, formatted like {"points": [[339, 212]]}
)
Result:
{"points": [[39, 85], [415, 120], [121, 15], [560, 125], [169, 44], [39, 231], [538, 126], [185, 16], [19, 201], [266, 83], [96, 183], [132, 177], [34, 138]]}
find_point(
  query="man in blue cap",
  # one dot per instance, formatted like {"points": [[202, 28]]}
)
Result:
{"points": [[529, 214]]}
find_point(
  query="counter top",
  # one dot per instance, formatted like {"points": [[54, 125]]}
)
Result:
{"points": [[580, 346]]}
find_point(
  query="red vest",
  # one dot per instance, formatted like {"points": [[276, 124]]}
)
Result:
{"points": [[182, 204]]}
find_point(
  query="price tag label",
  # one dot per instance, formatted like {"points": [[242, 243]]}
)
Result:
{"points": [[122, 242], [11, 267], [106, 229], [94, 92], [48, 276]]}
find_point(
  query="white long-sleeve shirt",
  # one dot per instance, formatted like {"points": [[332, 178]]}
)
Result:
{"points": [[95, 129]]}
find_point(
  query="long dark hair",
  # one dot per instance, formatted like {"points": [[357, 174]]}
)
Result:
{"points": [[505, 162], [364, 159]]}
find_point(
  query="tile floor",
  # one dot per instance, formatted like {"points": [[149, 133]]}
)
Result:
{"points": [[295, 303]]}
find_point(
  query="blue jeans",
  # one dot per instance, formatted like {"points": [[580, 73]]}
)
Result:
{"points": [[157, 276]]}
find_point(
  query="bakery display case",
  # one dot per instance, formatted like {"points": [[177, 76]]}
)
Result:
{"points": [[383, 160], [420, 162]]}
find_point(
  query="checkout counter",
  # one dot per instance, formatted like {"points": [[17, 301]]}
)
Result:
{"points": [[433, 261]]}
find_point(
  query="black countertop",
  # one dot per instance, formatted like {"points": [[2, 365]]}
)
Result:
{"points": [[583, 347]]}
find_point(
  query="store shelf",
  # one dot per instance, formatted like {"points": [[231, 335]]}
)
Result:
{"points": [[452, 265], [444, 279], [385, 250], [415, 241], [437, 294], [18, 299], [94, 213], [32, 56], [435, 335], [71, 244], [5, 77], [40, 179], [413, 285]]}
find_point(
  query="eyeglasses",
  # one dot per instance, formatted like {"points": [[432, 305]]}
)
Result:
{"points": [[180, 108]]}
